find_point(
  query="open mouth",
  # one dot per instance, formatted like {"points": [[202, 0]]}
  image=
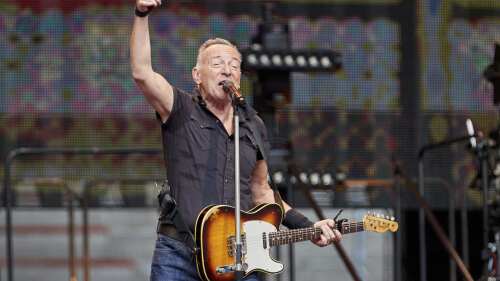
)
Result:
{"points": [[225, 82]]}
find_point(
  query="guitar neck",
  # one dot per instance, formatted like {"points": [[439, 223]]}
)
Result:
{"points": [[309, 233]]}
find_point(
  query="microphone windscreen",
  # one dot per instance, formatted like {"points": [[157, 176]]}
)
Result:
{"points": [[226, 86]]}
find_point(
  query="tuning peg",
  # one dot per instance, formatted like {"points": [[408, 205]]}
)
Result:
{"points": [[393, 218]]}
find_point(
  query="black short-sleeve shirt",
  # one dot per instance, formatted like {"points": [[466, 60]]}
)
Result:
{"points": [[199, 155]]}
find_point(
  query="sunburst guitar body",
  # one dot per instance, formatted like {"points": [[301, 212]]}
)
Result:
{"points": [[215, 238]]}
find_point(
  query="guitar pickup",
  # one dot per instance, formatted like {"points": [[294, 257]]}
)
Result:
{"points": [[231, 245], [230, 268]]}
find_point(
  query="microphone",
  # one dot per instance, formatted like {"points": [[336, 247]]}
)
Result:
{"points": [[232, 91], [470, 132]]}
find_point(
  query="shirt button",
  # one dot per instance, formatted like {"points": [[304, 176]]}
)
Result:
{"points": [[226, 180]]}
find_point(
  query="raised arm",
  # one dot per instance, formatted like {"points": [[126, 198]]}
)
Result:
{"points": [[155, 88]]}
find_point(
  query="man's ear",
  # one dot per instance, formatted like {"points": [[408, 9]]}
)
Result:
{"points": [[196, 75]]}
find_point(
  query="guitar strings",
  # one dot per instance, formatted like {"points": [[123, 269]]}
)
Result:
{"points": [[257, 239]]}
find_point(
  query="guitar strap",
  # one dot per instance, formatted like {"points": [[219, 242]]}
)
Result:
{"points": [[260, 145]]}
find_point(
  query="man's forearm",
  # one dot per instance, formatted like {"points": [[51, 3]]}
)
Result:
{"points": [[140, 48], [266, 195]]}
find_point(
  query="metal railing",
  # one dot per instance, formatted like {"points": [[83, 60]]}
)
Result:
{"points": [[8, 199]]}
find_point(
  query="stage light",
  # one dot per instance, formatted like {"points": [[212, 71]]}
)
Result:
{"points": [[304, 178], [325, 62], [252, 59], [264, 60], [313, 61], [278, 177], [291, 60], [277, 60], [301, 61], [327, 179], [314, 178], [256, 47]]}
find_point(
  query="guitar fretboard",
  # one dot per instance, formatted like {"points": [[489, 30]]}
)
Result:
{"points": [[303, 234]]}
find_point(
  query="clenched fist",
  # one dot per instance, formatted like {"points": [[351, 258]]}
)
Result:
{"points": [[146, 5]]}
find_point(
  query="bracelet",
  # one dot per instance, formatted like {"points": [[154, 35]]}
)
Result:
{"points": [[141, 14], [294, 219]]}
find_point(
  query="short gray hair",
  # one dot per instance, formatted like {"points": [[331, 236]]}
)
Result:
{"points": [[215, 41]]}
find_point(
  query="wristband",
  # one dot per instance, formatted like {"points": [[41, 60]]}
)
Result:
{"points": [[294, 220], [141, 14]]}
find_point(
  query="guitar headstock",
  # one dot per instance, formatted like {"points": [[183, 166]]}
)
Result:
{"points": [[379, 223]]}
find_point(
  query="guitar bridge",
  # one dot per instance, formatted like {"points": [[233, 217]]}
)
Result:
{"points": [[231, 245]]}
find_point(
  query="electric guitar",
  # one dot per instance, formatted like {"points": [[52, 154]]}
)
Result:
{"points": [[215, 238]]}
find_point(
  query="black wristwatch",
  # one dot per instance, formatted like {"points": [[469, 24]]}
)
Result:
{"points": [[141, 14]]}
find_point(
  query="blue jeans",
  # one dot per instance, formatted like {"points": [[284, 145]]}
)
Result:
{"points": [[173, 261]]}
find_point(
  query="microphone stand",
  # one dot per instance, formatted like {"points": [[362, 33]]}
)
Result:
{"points": [[421, 191], [236, 100], [482, 155], [238, 267]]}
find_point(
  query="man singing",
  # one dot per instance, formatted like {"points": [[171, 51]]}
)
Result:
{"points": [[198, 142]]}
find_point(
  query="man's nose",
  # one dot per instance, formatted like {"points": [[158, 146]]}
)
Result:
{"points": [[226, 70]]}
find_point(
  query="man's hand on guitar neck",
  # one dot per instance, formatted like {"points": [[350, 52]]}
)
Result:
{"points": [[330, 233]]}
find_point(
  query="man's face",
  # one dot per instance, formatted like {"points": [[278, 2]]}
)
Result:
{"points": [[218, 63]]}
